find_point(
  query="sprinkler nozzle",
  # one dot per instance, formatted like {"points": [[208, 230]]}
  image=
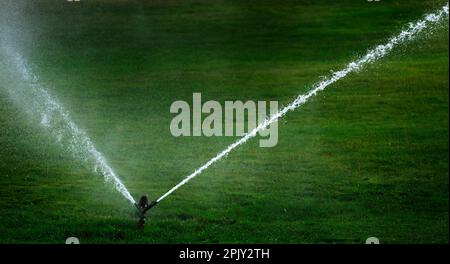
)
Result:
{"points": [[143, 206]]}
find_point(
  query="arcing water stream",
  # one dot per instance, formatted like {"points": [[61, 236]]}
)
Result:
{"points": [[408, 34]]}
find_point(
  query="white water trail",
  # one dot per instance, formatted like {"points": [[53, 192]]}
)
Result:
{"points": [[25, 89], [412, 31]]}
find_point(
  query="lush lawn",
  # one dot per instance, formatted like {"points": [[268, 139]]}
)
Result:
{"points": [[367, 157]]}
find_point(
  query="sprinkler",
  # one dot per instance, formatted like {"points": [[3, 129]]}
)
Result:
{"points": [[143, 206]]}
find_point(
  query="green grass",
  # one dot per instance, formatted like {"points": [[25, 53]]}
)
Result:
{"points": [[367, 157]]}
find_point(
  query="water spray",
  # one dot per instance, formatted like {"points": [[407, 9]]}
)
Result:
{"points": [[408, 34], [39, 104]]}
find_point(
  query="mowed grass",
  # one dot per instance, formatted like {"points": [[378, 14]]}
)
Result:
{"points": [[367, 157]]}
